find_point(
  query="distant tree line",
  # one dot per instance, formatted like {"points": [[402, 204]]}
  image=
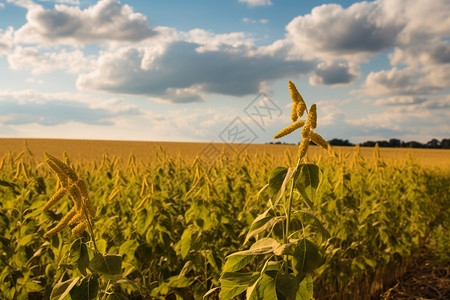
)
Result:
{"points": [[434, 143], [395, 143]]}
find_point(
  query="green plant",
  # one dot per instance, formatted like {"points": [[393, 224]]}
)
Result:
{"points": [[94, 269], [283, 252]]}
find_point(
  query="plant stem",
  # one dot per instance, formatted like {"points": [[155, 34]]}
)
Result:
{"points": [[288, 219], [91, 232]]}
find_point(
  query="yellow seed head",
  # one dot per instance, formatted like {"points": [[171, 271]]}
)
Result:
{"points": [[295, 95], [56, 197], [294, 112], [79, 228], [83, 188], [312, 117], [63, 179], [289, 129], [301, 107], [90, 208], [306, 130], [62, 167], [76, 196], [302, 148], [77, 218], [318, 140], [63, 223]]}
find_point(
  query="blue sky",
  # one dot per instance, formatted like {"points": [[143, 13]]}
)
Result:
{"points": [[200, 70]]}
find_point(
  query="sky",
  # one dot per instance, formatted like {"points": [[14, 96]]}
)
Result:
{"points": [[218, 70]]}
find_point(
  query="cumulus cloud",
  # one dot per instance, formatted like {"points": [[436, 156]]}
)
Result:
{"points": [[228, 71], [334, 74], [252, 3], [105, 21], [6, 40], [411, 80], [39, 62], [29, 106]]}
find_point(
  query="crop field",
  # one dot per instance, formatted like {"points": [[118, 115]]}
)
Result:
{"points": [[169, 219]]}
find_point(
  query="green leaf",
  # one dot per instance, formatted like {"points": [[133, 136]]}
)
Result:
{"points": [[287, 285], [62, 289], [185, 242], [262, 246], [306, 258], [180, 282], [276, 179], [108, 264], [87, 289], [325, 234], [116, 296], [128, 248], [264, 288], [308, 181], [235, 283], [306, 289], [236, 262], [83, 262], [279, 177], [143, 220]]}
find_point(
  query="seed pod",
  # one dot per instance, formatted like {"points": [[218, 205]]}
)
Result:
{"points": [[76, 196], [294, 112], [79, 228], [62, 167], [318, 140], [306, 130], [77, 218], [56, 197], [63, 223], [301, 107], [312, 117], [303, 148], [289, 129], [295, 95]]}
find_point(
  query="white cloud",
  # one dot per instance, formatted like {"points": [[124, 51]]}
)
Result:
{"points": [[252, 21], [408, 81], [70, 2], [6, 40], [106, 21], [2, 5], [39, 62], [30, 106], [253, 3], [336, 74], [226, 70]]}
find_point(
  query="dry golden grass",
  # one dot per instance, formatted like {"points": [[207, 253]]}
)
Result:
{"points": [[89, 150]]}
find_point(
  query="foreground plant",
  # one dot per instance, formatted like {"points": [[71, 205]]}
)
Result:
{"points": [[283, 254], [100, 268]]}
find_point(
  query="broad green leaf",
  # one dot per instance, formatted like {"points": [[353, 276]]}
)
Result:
{"points": [[259, 224], [87, 289], [235, 283], [306, 257], [308, 181], [62, 289], [180, 282], [276, 179], [237, 262], [287, 285], [128, 248], [108, 264], [285, 249], [186, 268], [143, 220], [83, 261], [116, 296], [306, 289], [185, 242], [325, 234], [265, 288], [262, 246]]}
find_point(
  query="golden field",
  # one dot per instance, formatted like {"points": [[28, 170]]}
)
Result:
{"points": [[88, 150]]}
